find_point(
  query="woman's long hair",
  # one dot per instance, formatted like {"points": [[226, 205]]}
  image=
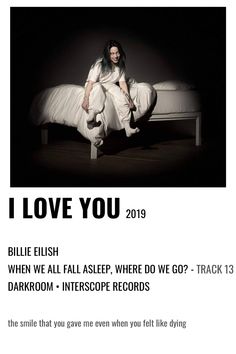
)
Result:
{"points": [[106, 61]]}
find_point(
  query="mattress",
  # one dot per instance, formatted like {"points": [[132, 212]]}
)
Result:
{"points": [[177, 101]]}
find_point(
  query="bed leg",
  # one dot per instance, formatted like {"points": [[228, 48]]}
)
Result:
{"points": [[198, 130], [44, 135], [94, 152]]}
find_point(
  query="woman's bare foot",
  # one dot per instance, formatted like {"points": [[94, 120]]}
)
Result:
{"points": [[98, 143], [91, 120], [93, 124], [130, 131]]}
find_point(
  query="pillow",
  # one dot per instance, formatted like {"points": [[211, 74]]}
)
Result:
{"points": [[172, 85]]}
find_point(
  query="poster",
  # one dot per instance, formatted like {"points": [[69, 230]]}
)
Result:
{"points": [[132, 251]]}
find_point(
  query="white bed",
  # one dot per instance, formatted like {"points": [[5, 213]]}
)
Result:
{"points": [[62, 105], [178, 100]]}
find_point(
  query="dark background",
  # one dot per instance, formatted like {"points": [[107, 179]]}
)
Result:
{"points": [[51, 46]]}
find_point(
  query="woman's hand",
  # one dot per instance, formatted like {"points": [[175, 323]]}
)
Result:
{"points": [[130, 101], [124, 88], [132, 105], [85, 104]]}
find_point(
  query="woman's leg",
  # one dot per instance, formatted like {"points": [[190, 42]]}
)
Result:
{"points": [[96, 104], [122, 107]]}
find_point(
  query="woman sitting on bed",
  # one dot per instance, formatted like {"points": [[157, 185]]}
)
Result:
{"points": [[107, 74]]}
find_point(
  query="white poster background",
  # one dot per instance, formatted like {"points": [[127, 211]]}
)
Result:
{"points": [[186, 226]]}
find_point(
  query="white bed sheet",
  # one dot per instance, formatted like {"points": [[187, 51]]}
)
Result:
{"points": [[177, 101], [62, 105]]}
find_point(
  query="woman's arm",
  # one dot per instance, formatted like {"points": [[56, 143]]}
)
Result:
{"points": [[88, 88], [124, 88]]}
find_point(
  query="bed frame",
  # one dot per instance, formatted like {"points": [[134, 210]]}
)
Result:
{"points": [[197, 116]]}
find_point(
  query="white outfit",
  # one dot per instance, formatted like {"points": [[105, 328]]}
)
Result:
{"points": [[96, 75], [107, 83]]}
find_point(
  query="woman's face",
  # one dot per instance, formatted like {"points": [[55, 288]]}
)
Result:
{"points": [[114, 55]]}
